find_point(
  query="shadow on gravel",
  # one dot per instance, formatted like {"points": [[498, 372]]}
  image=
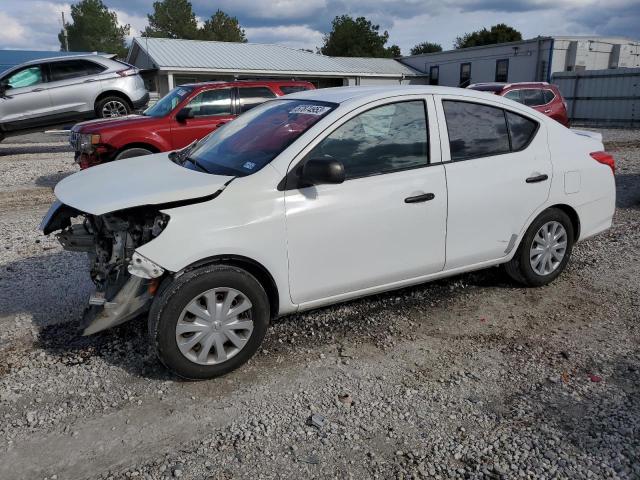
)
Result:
{"points": [[51, 180], [628, 190]]}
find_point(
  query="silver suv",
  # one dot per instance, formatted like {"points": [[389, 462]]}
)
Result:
{"points": [[60, 90]]}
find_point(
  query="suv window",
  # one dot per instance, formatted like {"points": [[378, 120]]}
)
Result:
{"points": [[253, 96], [532, 97], [477, 130], [548, 96], [211, 102], [381, 140], [67, 69], [25, 77], [513, 95], [286, 89]]}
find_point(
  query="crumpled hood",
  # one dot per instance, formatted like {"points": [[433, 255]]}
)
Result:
{"points": [[100, 124], [133, 182]]}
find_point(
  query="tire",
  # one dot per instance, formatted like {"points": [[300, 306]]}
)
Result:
{"points": [[107, 107], [132, 152], [521, 269], [169, 312]]}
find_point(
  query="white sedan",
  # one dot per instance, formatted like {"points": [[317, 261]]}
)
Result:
{"points": [[323, 196]]}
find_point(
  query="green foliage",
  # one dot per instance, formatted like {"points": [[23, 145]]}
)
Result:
{"points": [[223, 28], [356, 38], [172, 19], [95, 29], [426, 47], [499, 33]]}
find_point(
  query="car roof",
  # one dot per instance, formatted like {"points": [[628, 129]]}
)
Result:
{"points": [[65, 57], [257, 83], [372, 93], [500, 86]]}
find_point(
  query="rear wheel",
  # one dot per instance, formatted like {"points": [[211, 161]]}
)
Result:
{"points": [[209, 321], [111, 107], [133, 152], [544, 251]]}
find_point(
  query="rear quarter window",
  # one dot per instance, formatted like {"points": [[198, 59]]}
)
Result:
{"points": [[521, 130]]}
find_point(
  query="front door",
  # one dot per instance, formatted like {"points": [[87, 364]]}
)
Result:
{"points": [[210, 109], [386, 222], [26, 98], [498, 175]]}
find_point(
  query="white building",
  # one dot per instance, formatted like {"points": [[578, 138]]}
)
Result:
{"points": [[527, 60], [169, 62]]}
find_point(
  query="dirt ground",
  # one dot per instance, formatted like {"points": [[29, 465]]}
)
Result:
{"points": [[469, 377]]}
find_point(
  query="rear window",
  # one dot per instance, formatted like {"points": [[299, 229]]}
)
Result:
{"points": [[287, 89]]}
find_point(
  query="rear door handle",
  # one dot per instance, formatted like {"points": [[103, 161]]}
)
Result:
{"points": [[90, 80], [547, 111], [38, 90], [425, 197], [538, 178]]}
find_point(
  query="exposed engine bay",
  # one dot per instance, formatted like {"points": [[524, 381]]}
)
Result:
{"points": [[125, 281]]}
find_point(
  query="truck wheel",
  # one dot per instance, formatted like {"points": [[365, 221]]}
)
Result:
{"points": [[209, 321], [132, 152], [111, 107]]}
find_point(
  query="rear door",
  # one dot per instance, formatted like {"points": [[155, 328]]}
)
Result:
{"points": [[210, 108], [74, 86], [249, 97], [498, 174], [26, 100]]}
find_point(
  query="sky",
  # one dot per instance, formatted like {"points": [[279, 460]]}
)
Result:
{"points": [[34, 24]]}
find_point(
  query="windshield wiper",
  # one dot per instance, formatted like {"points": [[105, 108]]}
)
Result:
{"points": [[198, 165]]}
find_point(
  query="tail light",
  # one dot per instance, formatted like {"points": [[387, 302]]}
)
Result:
{"points": [[127, 72], [605, 158], [566, 106]]}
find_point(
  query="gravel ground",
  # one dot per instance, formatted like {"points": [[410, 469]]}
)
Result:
{"points": [[463, 378]]}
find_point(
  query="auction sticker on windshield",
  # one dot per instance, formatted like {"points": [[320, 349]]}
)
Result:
{"points": [[311, 109]]}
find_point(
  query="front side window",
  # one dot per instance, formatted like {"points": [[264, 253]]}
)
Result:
{"points": [[434, 74], [211, 102], [26, 77], [465, 74], [475, 130], [68, 69], [502, 70], [381, 140], [253, 96], [167, 103], [254, 139]]}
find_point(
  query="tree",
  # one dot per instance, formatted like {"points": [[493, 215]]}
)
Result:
{"points": [[172, 19], [95, 29], [426, 47], [499, 33], [223, 28], [356, 38]]}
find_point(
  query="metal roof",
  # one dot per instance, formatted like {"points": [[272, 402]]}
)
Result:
{"points": [[197, 55]]}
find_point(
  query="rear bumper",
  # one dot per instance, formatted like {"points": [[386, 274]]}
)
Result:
{"points": [[142, 102]]}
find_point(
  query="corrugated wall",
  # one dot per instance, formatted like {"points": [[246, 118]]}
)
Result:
{"points": [[602, 97]]}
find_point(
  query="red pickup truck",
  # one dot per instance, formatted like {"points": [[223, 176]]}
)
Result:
{"points": [[186, 113]]}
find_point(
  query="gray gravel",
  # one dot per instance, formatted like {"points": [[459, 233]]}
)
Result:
{"points": [[463, 378]]}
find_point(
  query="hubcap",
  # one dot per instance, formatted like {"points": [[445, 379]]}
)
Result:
{"points": [[114, 109], [548, 248], [214, 326]]}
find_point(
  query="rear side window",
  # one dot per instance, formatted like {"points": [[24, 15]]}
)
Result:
{"points": [[532, 97], [287, 89], [481, 131], [73, 68], [253, 96], [548, 96], [513, 95], [521, 130], [475, 130], [381, 140], [211, 102]]}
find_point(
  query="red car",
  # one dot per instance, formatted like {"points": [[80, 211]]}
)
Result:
{"points": [[542, 96], [186, 113]]}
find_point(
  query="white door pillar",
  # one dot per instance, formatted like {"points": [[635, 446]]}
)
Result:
{"points": [[170, 80]]}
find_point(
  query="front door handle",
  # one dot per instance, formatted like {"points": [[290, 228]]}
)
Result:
{"points": [[425, 197], [537, 178], [38, 90], [547, 111], [90, 80]]}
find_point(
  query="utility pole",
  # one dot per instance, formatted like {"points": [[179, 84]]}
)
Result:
{"points": [[64, 34]]}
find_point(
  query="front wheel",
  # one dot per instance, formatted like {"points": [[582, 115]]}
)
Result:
{"points": [[132, 152], [544, 251], [209, 321]]}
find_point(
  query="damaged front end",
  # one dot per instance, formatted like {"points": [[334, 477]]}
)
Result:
{"points": [[125, 280]]}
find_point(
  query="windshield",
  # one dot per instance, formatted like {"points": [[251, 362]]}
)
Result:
{"points": [[252, 140], [167, 103]]}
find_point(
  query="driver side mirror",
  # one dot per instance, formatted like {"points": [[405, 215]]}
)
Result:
{"points": [[184, 114], [319, 171]]}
